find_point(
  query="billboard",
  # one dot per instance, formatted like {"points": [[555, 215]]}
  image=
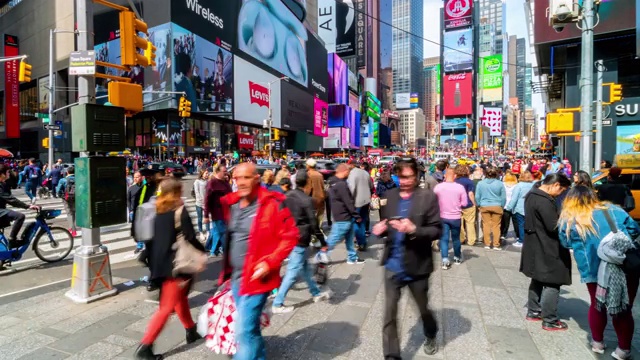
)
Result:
{"points": [[492, 118], [403, 101], [12, 88], [352, 121], [613, 16], [338, 80], [245, 141], [362, 22], [203, 70], [439, 78], [452, 140], [215, 21], [457, 94], [344, 138], [43, 95], [296, 108], [491, 68], [251, 89], [452, 124], [337, 115], [319, 84], [457, 13], [271, 34], [345, 28], [414, 100], [327, 24], [332, 141], [320, 118], [458, 50], [490, 95]]}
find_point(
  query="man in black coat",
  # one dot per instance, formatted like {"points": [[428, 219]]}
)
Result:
{"points": [[409, 221], [544, 260]]}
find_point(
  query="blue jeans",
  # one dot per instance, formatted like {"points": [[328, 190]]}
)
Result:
{"points": [[297, 265], [248, 334], [199, 213], [216, 236], [520, 220], [30, 189], [340, 230], [450, 227], [360, 228]]}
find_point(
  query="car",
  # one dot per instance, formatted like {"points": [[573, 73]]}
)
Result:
{"points": [[630, 177], [326, 167], [167, 167], [388, 160]]}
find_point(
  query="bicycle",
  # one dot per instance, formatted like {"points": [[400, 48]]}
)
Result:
{"points": [[34, 232]]}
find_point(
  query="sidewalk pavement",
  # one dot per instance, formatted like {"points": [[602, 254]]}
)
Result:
{"points": [[479, 306]]}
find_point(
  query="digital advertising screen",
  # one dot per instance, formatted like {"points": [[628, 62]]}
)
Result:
{"points": [[458, 94], [458, 50]]}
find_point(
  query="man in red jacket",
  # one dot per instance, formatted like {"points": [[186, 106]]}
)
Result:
{"points": [[260, 234]]}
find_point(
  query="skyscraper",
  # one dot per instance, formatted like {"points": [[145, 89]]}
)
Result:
{"points": [[408, 46], [521, 64], [528, 76], [431, 95], [493, 12]]}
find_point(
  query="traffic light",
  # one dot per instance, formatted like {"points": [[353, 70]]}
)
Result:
{"points": [[133, 47], [150, 54], [615, 93], [276, 134], [184, 108], [25, 72], [45, 143]]}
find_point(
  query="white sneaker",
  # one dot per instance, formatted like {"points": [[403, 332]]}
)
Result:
{"points": [[488, 247], [620, 354], [325, 295], [517, 244], [281, 309]]}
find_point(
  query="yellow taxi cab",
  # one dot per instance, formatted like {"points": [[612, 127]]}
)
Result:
{"points": [[630, 165]]}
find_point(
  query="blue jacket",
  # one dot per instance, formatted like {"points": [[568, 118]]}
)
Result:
{"points": [[516, 205], [585, 251], [62, 184], [491, 192]]}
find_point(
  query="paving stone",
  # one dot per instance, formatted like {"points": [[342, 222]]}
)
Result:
{"points": [[143, 309], [8, 321], [93, 334], [121, 340], [558, 344], [507, 260], [483, 273], [514, 278], [512, 344], [496, 308], [25, 345], [98, 351], [53, 332], [459, 290], [45, 354]]}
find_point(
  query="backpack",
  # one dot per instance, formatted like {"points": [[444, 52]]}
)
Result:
{"points": [[144, 220], [33, 172], [70, 189]]}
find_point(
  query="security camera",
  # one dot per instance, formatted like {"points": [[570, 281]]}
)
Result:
{"points": [[562, 12], [558, 27]]}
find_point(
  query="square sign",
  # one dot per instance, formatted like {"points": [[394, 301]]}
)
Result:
{"points": [[82, 62], [492, 72]]}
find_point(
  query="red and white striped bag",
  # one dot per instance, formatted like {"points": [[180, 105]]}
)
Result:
{"points": [[220, 312]]}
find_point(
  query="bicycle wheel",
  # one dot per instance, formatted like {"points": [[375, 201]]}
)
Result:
{"points": [[54, 248]]}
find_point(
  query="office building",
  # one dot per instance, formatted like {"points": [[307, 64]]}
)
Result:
{"points": [[431, 97], [412, 126], [408, 46], [493, 12], [528, 78], [521, 65]]}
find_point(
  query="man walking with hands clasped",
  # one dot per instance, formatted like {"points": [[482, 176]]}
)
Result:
{"points": [[409, 222]]}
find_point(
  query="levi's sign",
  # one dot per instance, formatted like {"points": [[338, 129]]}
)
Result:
{"points": [[258, 94]]}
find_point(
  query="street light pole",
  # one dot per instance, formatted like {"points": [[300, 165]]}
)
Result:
{"points": [[598, 156], [270, 123], [586, 86]]}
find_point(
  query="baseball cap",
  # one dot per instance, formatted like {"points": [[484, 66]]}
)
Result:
{"points": [[311, 163]]}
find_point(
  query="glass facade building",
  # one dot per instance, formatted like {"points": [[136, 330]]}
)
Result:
{"points": [[408, 47]]}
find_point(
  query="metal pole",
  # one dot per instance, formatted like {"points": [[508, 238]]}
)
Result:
{"points": [[91, 252], [52, 94], [598, 155], [269, 120], [586, 87]]}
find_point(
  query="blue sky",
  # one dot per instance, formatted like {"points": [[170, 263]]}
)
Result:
{"points": [[515, 20]]}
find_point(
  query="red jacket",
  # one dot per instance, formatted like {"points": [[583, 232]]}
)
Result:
{"points": [[272, 237]]}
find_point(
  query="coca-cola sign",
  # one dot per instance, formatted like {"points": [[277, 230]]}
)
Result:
{"points": [[259, 94], [457, 77], [245, 141], [457, 13]]}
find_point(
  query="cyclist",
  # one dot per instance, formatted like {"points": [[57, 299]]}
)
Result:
{"points": [[6, 214]]}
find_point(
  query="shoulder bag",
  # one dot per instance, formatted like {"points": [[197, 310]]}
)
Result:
{"points": [[187, 260], [631, 263]]}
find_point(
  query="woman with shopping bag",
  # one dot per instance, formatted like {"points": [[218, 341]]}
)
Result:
{"points": [[174, 256]]}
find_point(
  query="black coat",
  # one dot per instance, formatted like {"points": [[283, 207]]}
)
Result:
{"points": [[425, 214], [301, 207], [543, 258]]}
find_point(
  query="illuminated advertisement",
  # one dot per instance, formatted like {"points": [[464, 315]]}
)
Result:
{"points": [[491, 67], [319, 78], [452, 124], [338, 77], [352, 121], [438, 76], [215, 20], [12, 87], [414, 101], [332, 141], [452, 140], [251, 89], [203, 71], [613, 16], [457, 94], [345, 28], [403, 101], [628, 139], [327, 24], [492, 118], [458, 50], [344, 138], [457, 13], [270, 33], [320, 118], [337, 115], [354, 101], [297, 108]]}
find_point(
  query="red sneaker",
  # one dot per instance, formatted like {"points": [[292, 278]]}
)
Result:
{"points": [[73, 233]]}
